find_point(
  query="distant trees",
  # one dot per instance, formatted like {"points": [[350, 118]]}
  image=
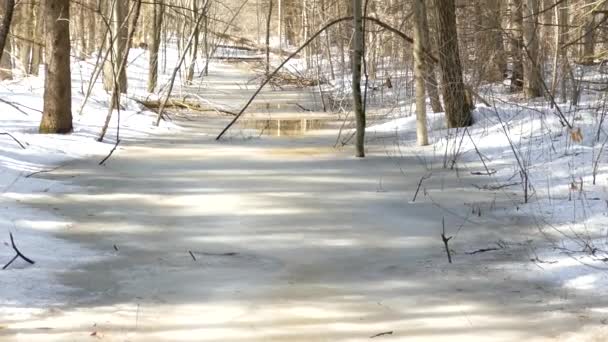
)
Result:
{"points": [[57, 112]]}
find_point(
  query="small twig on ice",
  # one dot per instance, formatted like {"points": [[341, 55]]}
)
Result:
{"points": [[111, 152], [44, 171], [482, 250], [18, 255], [422, 179], [15, 139], [382, 334], [192, 255], [446, 240]]}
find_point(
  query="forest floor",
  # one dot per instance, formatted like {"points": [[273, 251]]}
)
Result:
{"points": [[255, 238]]}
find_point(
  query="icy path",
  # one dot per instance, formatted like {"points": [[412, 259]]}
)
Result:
{"points": [[294, 241]]}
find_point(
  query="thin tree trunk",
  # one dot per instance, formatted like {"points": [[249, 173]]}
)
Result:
{"points": [[38, 37], [356, 62], [429, 65], [516, 44], [420, 72], [57, 112], [6, 65], [270, 4], [194, 48], [532, 66], [154, 47], [118, 43]]}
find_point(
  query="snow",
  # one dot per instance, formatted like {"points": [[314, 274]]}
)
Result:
{"points": [[27, 288]]}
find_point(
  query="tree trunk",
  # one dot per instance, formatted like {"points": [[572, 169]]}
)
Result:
{"points": [[429, 66], [532, 66], [270, 4], [357, 61], [516, 44], [38, 37], [120, 29], [194, 48], [26, 10], [457, 109], [154, 47], [588, 34], [420, 72], [6, 65], [57, 112]]}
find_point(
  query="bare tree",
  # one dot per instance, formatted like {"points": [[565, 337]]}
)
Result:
{"points": [[356, 65], [420, 72], [533, 86], [457, 108], [57, 112]]}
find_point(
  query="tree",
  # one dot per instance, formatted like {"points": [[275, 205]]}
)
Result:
{"points": [[429, 64], [6, 65], [356, 65], [57, 112], [533, 83], [117, 42], [154, 46], [516, 42], [457, 108], [420, 72]]}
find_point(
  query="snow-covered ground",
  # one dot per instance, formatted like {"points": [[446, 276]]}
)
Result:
{"points": [[22, 160]]}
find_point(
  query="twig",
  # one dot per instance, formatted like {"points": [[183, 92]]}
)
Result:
{"points": [[15, 139], [382, 334], [192, 255], [44, 171], [445, 241], [422, 179], [15, 106], [19, 254], [482, 250], [111, 152]]}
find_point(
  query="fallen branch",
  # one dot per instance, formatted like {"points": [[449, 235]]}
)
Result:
{"points": [[111, 152], [482, 250], [15, 139], [18, 255], [382, 334], [446, 240], [422, 179], [15, 106], [44, 171]]}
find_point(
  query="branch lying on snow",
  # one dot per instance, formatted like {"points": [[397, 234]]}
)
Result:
{"points": [[15, 106], [482, 250], [19, 254], [382, 334], [15, 139], [110, 154]]}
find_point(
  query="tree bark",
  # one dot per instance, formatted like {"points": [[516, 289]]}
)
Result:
{"points": [[7, 19], [154, 47], [356, 84], [516, 44], [38, 37], [420, 72], [457, 108], [533, 86], [120, 30], [429, 65], [57, 112]]}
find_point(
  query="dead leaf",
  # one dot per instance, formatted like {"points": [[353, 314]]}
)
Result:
{"points": [[576, 135]]}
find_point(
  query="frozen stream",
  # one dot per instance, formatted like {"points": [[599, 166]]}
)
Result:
{"points": [[293, 241]]}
